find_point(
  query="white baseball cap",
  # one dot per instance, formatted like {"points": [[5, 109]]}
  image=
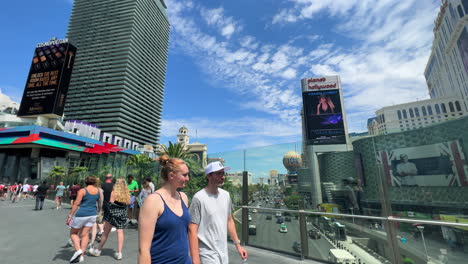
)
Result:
{"points": [[215, 166]]}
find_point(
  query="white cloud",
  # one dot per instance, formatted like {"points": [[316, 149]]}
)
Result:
{"points": [[6, 101], [384, 67]]}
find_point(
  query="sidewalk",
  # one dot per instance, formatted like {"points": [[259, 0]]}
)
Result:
{"points": [[38, 237]]}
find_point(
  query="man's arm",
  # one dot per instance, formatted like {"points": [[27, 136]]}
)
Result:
{"points": [[193, 243], [233, 234]]}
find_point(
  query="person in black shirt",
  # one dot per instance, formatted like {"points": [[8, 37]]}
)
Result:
{"points": [[107, 188], [41, 193]]}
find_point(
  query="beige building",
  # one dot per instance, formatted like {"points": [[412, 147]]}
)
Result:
{"points": [[236, 178], [198, 149]]}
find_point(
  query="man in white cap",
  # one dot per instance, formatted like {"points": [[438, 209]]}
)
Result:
{"points": [[211, 220]]}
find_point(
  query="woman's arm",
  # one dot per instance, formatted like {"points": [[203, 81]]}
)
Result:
{"points": [[149, 213], [76, 204], [318, 109]]}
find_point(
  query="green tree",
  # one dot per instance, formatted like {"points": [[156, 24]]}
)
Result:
{"points": [[142, 166], [76, 174], [292, 201], [56, 174]]}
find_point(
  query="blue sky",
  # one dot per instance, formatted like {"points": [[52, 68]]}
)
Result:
{"points": [[234, 67]]}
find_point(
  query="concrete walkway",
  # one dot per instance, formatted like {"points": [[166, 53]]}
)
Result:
{"points": [[38, 237]]}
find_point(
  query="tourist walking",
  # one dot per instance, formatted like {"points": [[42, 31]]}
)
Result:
{"points": [[107, 188], [115, 216], [2, 192], [59, 195], [41, 194], [133, 189], [25, 190], [211, 211], [17, 194], [145, 192], [74, 192], [82, 217], [13, 191], [164, 218], [99, 219]]}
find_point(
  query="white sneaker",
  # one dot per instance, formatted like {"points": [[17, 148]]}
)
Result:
{"points": [[134, 221], [118, 255], [81, 259], [95, 252], [76, 257], [113, 229]]}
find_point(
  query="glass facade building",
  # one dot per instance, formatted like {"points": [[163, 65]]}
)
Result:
{"points": [[119, 72]]}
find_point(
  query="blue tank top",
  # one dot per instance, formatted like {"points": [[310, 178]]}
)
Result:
{"points": [[88, 205], [170, 239]]}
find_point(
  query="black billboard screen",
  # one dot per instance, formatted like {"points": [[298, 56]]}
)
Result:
{"points": [[323, 117], [49, 76]]}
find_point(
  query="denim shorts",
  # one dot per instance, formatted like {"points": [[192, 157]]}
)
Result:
{"points": [[79, 222], [132, 201]]}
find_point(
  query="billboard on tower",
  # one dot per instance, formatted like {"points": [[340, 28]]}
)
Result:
{"points": [[324, 117], [47, 84]]}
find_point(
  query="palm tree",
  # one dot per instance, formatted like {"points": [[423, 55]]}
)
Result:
{"points": [[142, 164], [56, 174], [180, 151]]}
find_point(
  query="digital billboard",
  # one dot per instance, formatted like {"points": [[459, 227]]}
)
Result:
{"points": [[440, 164], [323, 117], [47, 83]]}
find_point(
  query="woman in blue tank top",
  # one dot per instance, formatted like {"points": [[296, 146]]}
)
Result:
{"points": [[164, 218]]}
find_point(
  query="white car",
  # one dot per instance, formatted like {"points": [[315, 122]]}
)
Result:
{"points": [[283, 228], [278, 214], [250, 218], [254, 211]]}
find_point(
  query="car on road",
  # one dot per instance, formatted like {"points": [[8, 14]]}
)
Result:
{"points": [[297, 247], [283, 228], [287, 214], [278, 214], [279, 220], [250, 218], [252, 230], [287, 219], [314, 234], [268, 217], [254, 211]]}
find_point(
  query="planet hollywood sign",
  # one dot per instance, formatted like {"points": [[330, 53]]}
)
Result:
{"points": [[312, 84]]}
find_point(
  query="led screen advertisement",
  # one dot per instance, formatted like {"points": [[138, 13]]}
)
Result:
{"points": [[47, 83], [440, 164], [323, 117]]}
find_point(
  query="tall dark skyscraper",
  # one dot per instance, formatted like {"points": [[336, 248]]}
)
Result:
{"points": [[119, 73]]}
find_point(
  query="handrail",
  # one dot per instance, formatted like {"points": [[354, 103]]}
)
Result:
{"points": [[381, 218]]}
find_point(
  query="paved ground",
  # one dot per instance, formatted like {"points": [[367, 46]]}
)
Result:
{"points": [[38, 237]]}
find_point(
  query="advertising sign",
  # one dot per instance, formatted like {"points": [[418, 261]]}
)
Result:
{"points": [[47, 84], [441, 164], [323, 117]]}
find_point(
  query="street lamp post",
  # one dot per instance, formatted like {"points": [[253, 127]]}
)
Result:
{"points": [[421, 229], [352, 212]]}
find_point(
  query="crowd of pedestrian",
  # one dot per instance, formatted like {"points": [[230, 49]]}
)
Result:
{"points": [[170, 230]]}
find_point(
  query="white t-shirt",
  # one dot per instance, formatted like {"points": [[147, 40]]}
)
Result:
{"points": [[26, 188], [35, 188], [210, 212]]}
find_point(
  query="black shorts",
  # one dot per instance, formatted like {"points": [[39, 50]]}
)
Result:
{"points": [[73, 197]]}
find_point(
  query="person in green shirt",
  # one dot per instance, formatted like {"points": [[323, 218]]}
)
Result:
{"points": [[133, 189]]}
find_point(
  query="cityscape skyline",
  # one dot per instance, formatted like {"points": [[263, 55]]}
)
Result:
{"points": [[243, 71]]}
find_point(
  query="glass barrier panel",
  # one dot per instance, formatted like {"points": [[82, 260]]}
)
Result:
{"points": [[274, 231]]}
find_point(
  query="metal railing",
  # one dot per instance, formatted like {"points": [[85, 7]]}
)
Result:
{"points": [[417, 255]]}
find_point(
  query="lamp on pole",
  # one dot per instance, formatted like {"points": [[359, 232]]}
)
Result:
{"points": [[421, 229], [352, 212]]}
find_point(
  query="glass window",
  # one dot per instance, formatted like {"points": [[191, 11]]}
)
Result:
{"points": [[437, 108], [465, 5], [457, 105], [423, 109], [429, 109], [460, 11], [416, 111], [399, 114], [404, 114], [452, 109], [444, 110], [411, 113]]}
